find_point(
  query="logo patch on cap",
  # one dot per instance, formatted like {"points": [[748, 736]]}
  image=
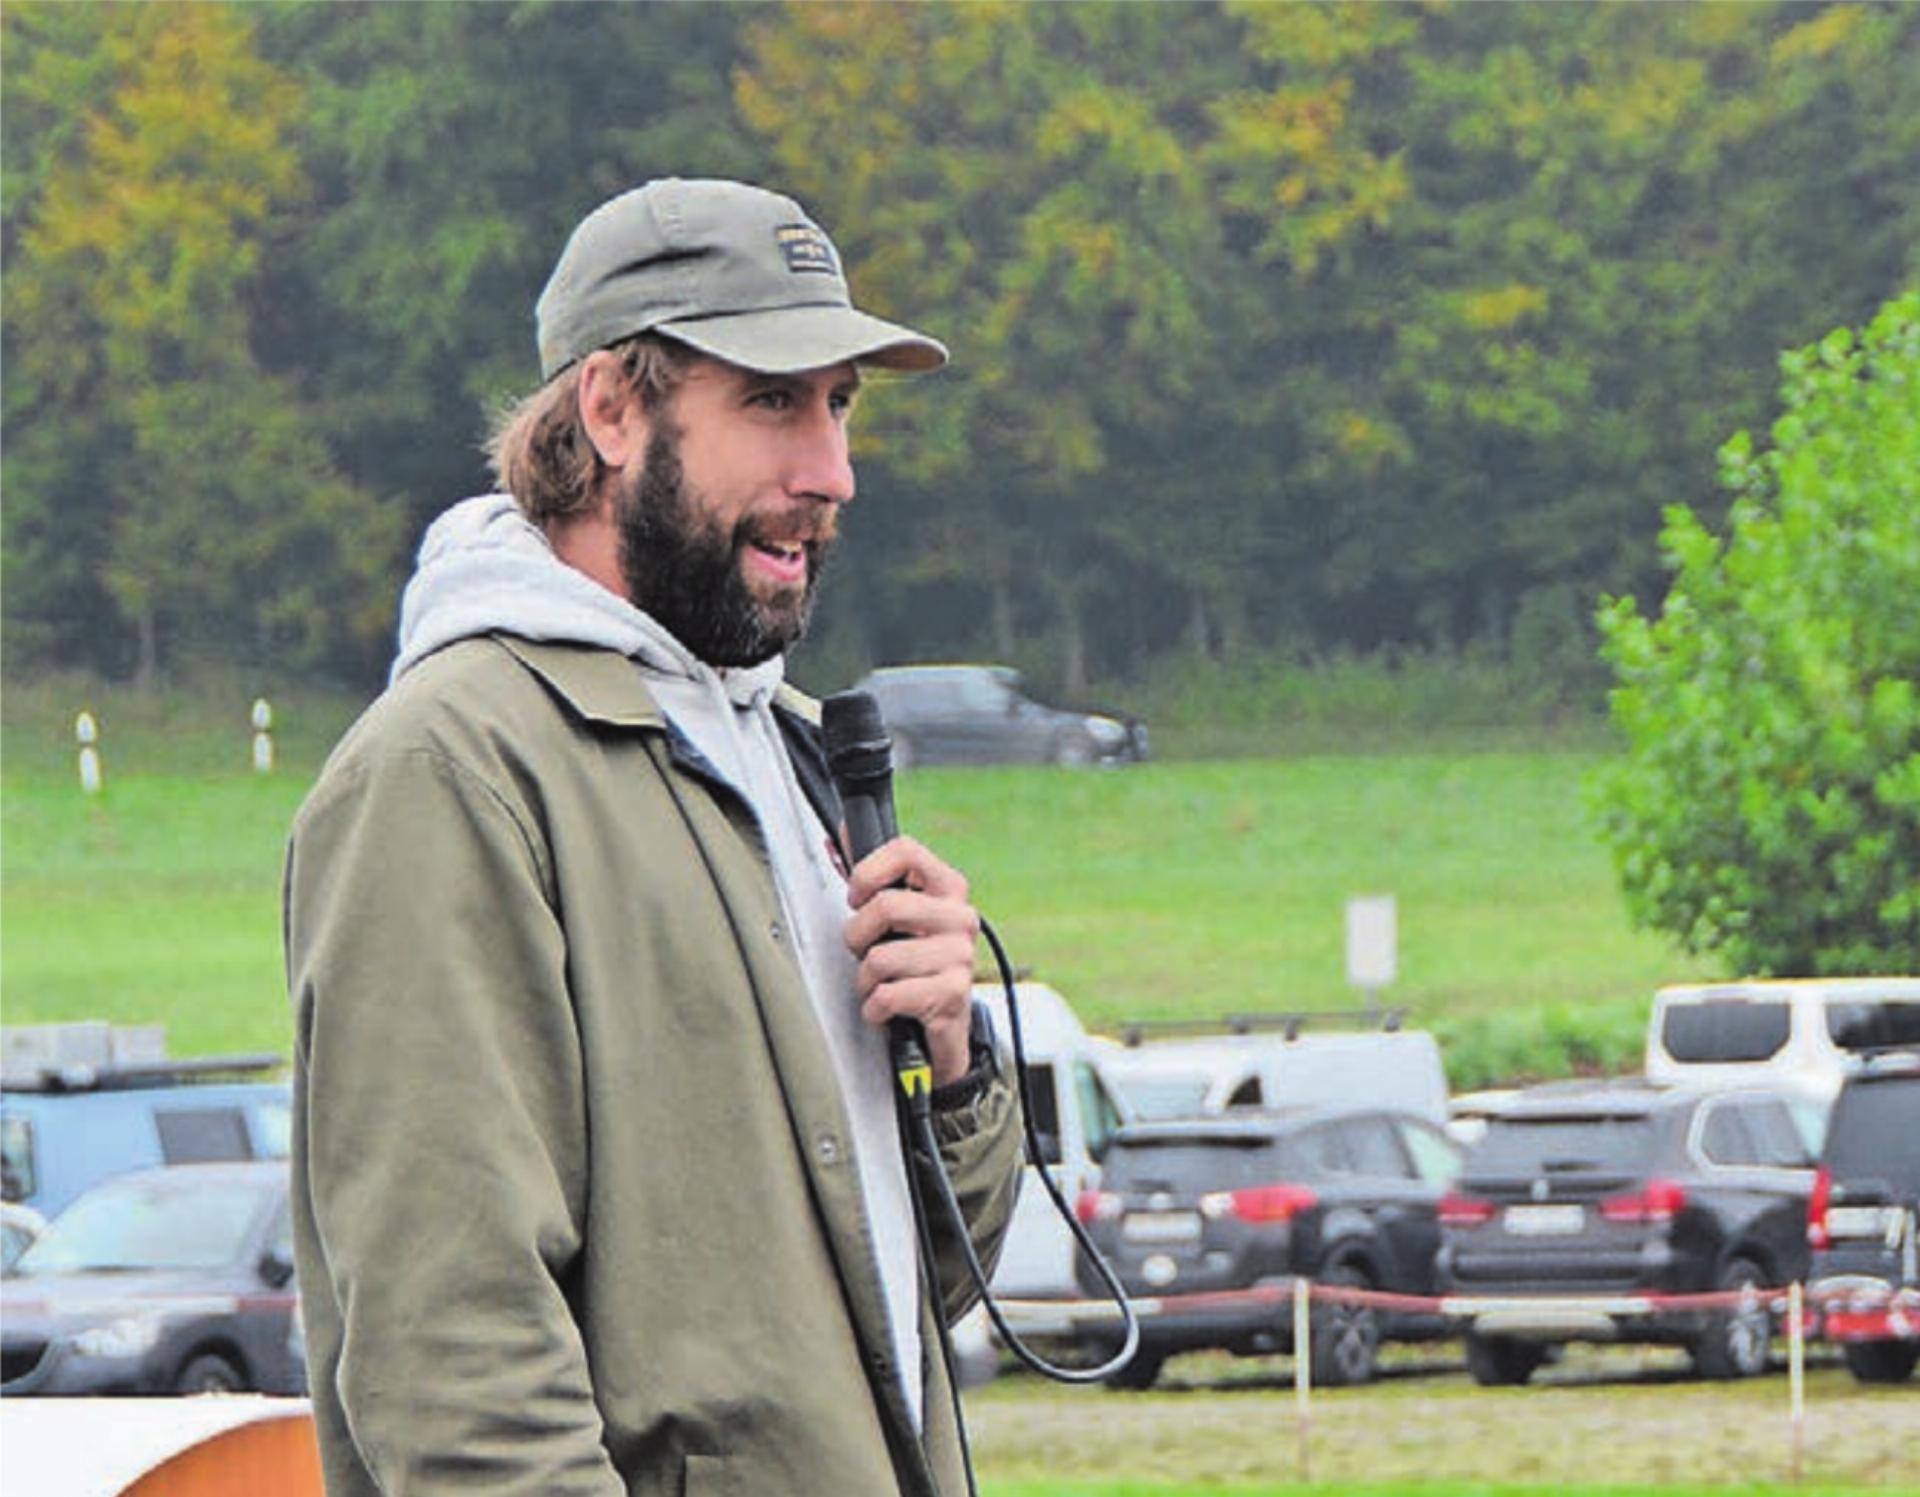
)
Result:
{"points": [[806, 249]]}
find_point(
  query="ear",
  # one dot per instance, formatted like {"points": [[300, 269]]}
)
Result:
{"points": [[610, 412]]}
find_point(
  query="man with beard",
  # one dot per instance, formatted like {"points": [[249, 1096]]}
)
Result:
{"points": [[598, 1184]]}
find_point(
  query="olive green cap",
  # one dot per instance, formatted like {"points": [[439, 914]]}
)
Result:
{"points": [[734, 271]]}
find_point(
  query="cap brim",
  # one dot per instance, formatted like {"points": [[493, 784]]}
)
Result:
{"points": [[791, 339]]}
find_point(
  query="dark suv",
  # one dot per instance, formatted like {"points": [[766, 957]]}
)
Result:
{"points": [[1209, 1221], [1864, 1219], [1585, 1201]]}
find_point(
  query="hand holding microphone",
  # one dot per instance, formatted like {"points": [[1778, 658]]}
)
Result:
{"points": [[913, 928]]}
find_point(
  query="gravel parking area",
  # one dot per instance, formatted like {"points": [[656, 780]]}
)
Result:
{"points": [[1626, 1415]]}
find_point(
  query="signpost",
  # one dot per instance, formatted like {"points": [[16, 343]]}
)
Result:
{"points": [[1373, 944]]}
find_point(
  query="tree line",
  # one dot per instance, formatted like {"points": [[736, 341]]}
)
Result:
{"points": [[1304, 327]]}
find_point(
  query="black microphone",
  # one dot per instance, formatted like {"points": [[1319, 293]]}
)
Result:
{"points": [[860, 759]]}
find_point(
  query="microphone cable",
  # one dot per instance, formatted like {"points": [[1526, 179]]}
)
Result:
{"points": [[921, 1119]]}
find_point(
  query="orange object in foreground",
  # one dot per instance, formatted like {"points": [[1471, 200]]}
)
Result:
{"points": [[215, 1446]]}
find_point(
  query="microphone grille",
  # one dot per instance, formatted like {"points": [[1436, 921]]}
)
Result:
{"points": [[850, 721]]}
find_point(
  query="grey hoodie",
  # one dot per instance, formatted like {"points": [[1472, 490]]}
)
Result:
{"points": [[483, 568]]}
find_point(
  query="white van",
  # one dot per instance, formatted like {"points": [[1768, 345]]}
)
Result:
{"points": [[1075, 1113], [1160, 1078], [1802, 1033]]}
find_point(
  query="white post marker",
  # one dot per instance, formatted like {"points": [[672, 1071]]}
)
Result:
{"points": [[1797, 1377], [1373, 944], [87, 733], [1303, 1373], [262, 737]]}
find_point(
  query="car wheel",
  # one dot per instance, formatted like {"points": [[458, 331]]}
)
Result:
{"points": [[1881, 1361], [1345, 1338], [1073, 749], [1140, 1373], [1501, 1361], [1736, 1342], [209, 1372]]}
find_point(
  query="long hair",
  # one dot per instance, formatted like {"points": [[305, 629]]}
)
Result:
{"points": [[538, 449]]}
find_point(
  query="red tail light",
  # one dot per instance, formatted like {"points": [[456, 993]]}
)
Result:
{"points": [[1272, 1203], [1096, 1206], [1817, 1233], [1465, 1211], [1659, 1203]]}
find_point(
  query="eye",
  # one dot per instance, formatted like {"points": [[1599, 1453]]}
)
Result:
{"points": [[771, 399]]}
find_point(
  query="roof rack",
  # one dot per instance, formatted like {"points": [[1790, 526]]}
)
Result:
{"points": [[93, 1055], [1289, 1023], [86, 1078]]}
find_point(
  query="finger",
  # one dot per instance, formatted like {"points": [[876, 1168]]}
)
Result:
{"points": [[904, 861], [925, 956], [934, 1000], [909, 914]]}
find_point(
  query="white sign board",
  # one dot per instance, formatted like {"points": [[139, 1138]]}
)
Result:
{"points": [[1373, 941]]}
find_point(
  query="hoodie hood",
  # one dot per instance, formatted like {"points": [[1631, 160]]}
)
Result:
{"points": [[484, 568]]}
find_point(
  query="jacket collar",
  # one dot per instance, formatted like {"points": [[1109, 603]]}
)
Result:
{"points": [[601, 685]]}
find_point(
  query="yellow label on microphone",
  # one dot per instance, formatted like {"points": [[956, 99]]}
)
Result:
{"points": [[916, 1081]]}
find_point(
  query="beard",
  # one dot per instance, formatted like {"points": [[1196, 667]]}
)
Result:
{"points": [[685, 570]]}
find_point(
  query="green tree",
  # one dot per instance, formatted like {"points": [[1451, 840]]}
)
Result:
{"points": [[151, 462], [450, 148], [1768, 806]]}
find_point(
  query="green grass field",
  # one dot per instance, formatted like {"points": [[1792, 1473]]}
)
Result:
{"points": [[1174, 890]]}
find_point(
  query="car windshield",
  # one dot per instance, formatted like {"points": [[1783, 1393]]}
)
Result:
{"points": [[1875, 1025], [133, 1224], [1874, 1123], [1190, 1166], [1720, 1033], [1526, 1146]]}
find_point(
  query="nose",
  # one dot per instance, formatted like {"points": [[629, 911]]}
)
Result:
{"points": [[821, 466]]}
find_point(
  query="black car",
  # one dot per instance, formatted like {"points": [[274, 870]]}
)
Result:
{"points": [[1209, 1221], [171, 1280], [978, 714], [1587, 1201], [1864, 1220]]}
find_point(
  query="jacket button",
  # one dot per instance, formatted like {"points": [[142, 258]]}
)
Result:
{"points": [[828, 1148], [775, 930]]}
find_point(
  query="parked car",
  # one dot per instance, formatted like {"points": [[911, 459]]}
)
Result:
{"points": [[1209, 1221], [1468, 1113], [1277, 1060], [172, 1280], [1584, 1198], [77, 1107], [1802, 1033], [19, 1225], [980, 714], [1863, 1222]]}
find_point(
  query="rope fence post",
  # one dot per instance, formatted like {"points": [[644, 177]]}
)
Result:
{"points": [[1303, 1373], [1797, 1377]]}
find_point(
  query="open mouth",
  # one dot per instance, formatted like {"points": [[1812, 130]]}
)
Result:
{"points": [[784, 560]]}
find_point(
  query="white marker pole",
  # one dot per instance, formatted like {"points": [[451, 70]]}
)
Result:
{"points": [[262, 737], [1373, 945], [88, 733], [1797, 1376], [1303, 1373]]}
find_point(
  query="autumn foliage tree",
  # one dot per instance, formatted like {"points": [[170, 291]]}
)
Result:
{"points": [[142, 429], [1768, 805]]}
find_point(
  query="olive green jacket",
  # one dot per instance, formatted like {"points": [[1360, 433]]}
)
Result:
{"points": [[574, 1209]]}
